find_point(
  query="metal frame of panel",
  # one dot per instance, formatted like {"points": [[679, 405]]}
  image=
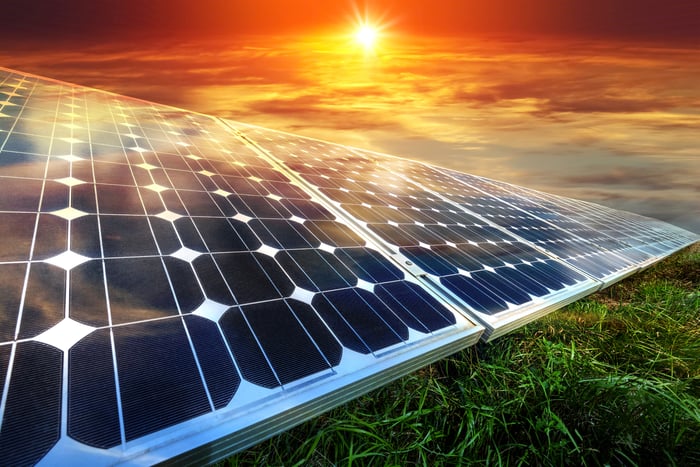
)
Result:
{"points": [[179, 287]]}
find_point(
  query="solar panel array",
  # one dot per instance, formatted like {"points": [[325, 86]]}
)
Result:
{"points": [[178, 285]]}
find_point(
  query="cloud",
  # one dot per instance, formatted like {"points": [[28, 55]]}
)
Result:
{"points": [[628, 177], [594, 120]]}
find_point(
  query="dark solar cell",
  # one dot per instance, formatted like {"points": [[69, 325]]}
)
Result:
{"points": [[29, 428], [13, 164], [210, 276], [360, 320], [254, 366], [44, 302], [126, 236], [253, 277], [25, 194], [423, 234], [159, 383], [260, 207], [198, 203], [334, 234], [283, 234], [368, 265], [393, 234], [364, 213], [217, 367], [315, 270], [474, 294], [113, 199], [11, 287], [56, 196], [51, 237], [138, 289], [414, 306], [287, 345], [93, 415], [184, 283], [16, 230], [104, 172], [306, 209], [220, 234], [88, 303]]}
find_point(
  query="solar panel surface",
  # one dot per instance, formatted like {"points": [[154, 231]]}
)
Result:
{"points": [[177, 285], [156, 267]]}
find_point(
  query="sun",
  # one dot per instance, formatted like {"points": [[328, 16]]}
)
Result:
{"points": [[369, 29], [367, 36]]}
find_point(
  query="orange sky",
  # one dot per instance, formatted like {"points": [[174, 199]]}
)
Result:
{"points": [[90, 20], [603, 113]]}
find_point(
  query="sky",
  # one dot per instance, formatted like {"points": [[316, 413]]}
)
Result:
{"points": [[592, 99]]}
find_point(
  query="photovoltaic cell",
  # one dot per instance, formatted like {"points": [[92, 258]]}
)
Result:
{"points": [[171, 281]]}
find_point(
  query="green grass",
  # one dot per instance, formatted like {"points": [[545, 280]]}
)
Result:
{"points": [[611, 379]]}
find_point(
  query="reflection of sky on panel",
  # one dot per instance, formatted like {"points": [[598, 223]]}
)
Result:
{"points": [[611, 123]]}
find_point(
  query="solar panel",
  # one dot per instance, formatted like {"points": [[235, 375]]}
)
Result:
{"points": [[176, 286], [162, 278], [421, 216]]}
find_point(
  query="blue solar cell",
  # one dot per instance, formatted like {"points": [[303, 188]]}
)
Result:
{"points": [[368, 265], [541, 274], [524, 282], [474, 294], [414, 307], [500, 287], [361, 322], [431, 261], [315, 270]]}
